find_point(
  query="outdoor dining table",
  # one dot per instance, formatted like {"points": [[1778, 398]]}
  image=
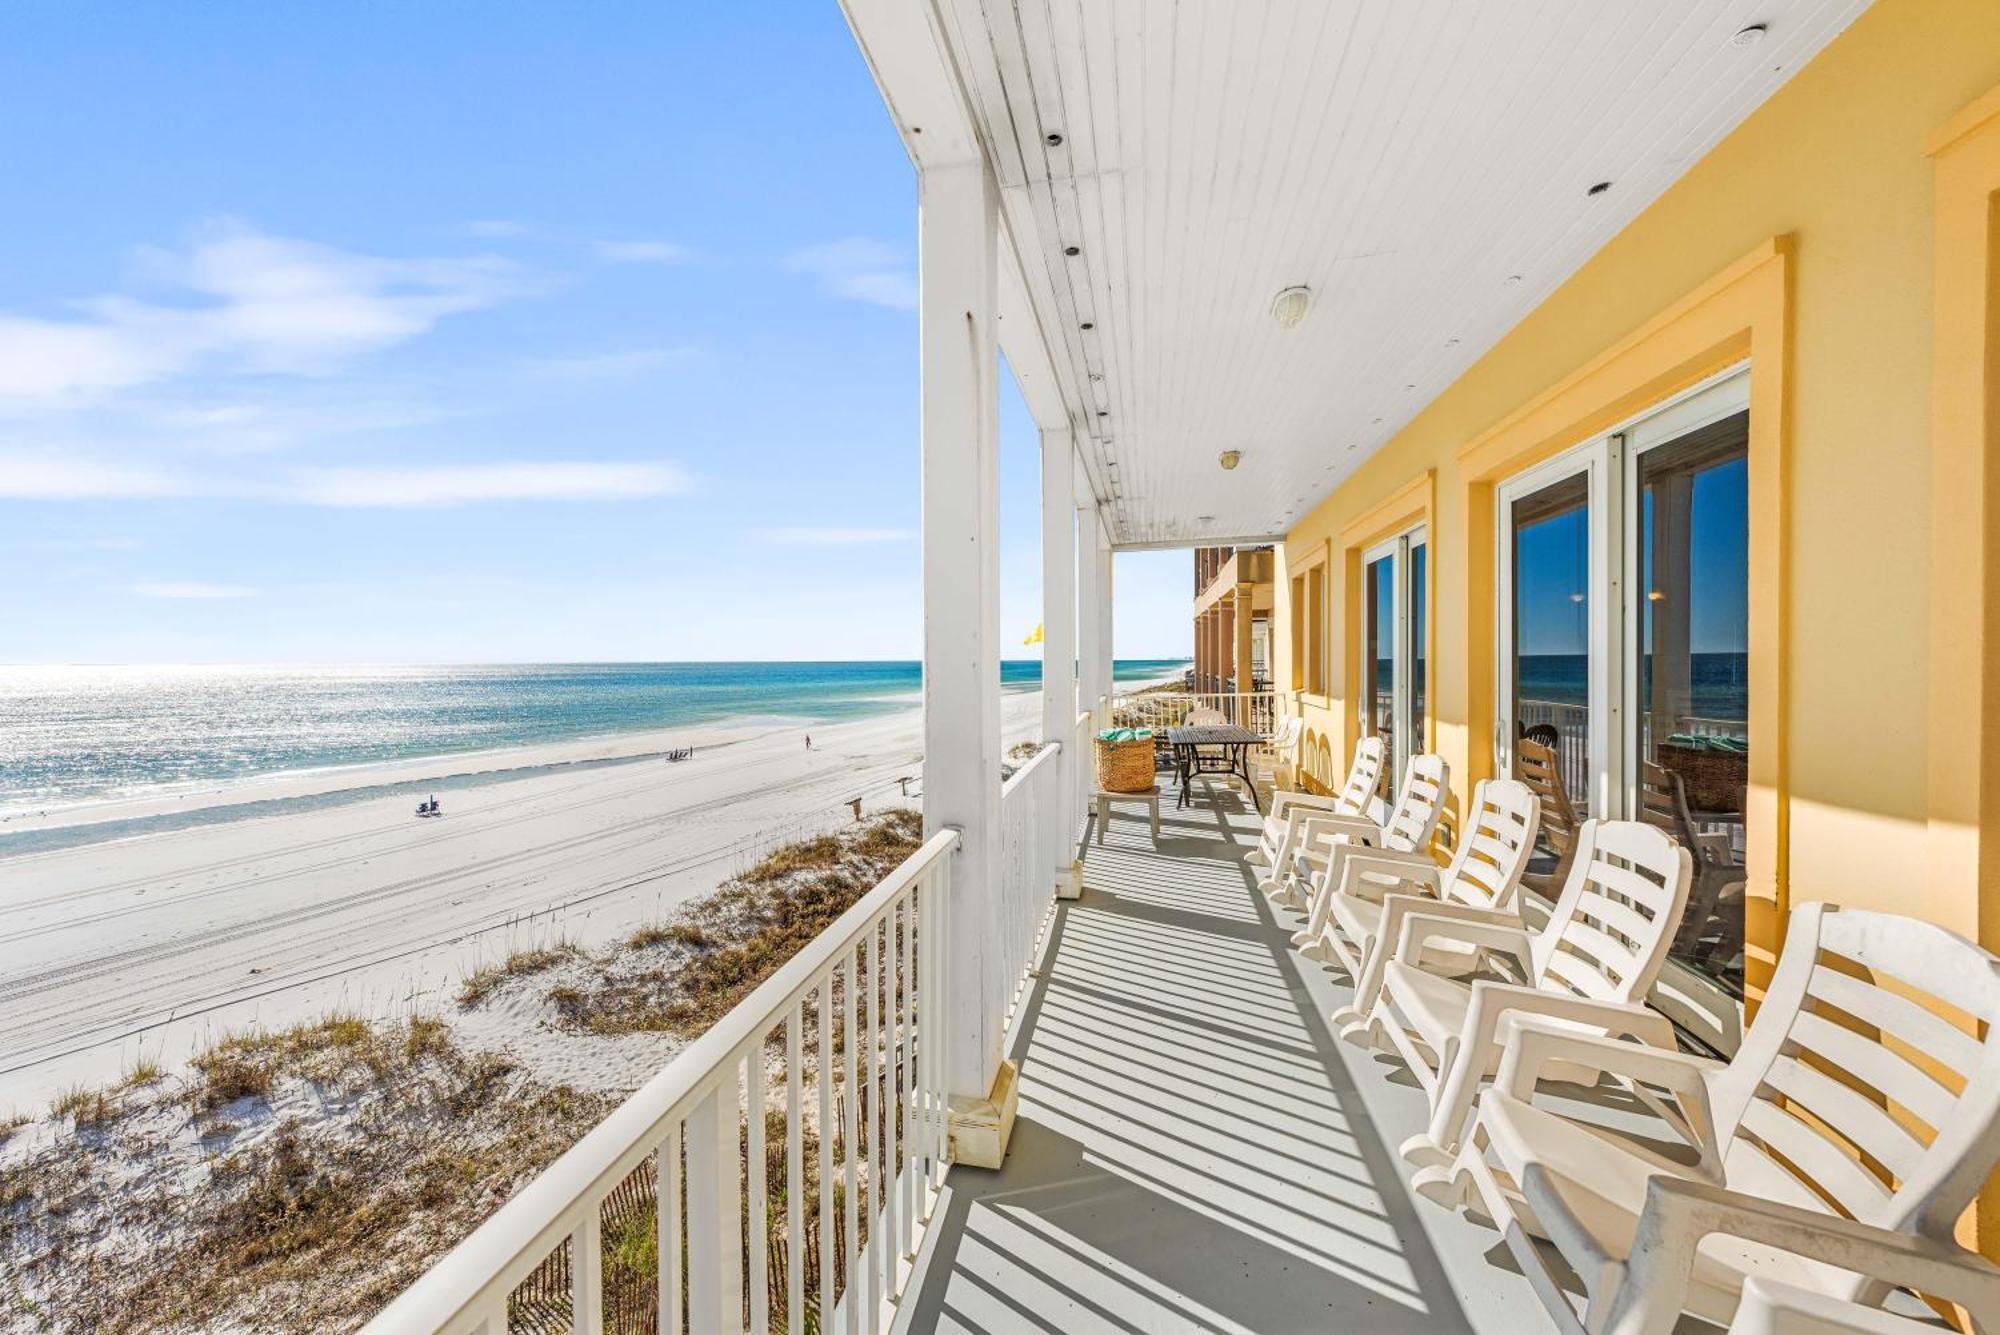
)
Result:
{"points": [[1232, 741]]}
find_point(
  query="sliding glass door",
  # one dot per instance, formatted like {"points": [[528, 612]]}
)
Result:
{"points": [[1390, 700], [1623, 649]]}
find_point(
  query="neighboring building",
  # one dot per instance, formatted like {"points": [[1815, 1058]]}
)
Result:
{"points": [[1233, 597]]}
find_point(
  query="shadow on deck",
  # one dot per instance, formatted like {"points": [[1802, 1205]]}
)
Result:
{"points": [[1196, 1151]]}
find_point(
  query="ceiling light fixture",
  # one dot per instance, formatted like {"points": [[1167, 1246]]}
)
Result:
{"points": [[1054, 139], [1087, 324], [1229, 459], [1289, 307], [1599, 188], [1072, 250], [1749, 36]]}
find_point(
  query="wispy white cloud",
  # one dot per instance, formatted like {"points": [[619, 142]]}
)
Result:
{"points": [[495, 227], [191, 589], [834, 537], [860, 269], [42, 477], [471, 483], [238, 299], [642, 252], [612, 365], [49, 477]]}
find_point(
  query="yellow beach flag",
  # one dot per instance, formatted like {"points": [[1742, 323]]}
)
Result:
{"points": [[1035, 636]]}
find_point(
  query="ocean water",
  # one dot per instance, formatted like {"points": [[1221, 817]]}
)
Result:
{"points": [[1719, 682], [77, 734]]}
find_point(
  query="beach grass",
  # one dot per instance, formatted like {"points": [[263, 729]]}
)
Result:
{"points": [[521, 964], [725, 944]]}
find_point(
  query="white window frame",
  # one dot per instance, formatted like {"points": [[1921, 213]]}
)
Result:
{"points": [[1613, 634], [1403, 728]]}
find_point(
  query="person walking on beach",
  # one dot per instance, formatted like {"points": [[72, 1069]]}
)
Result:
{"points": [[809, 741]]}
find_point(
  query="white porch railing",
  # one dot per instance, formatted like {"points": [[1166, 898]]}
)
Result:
{"points": [[1572, 727], [1255, 710], [846, 1041], [1033, 827]]}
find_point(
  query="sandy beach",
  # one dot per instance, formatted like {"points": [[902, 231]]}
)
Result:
{"points": [[154, 945]]}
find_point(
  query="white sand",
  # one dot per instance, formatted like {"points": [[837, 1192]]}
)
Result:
{"points": [[157, 944]]}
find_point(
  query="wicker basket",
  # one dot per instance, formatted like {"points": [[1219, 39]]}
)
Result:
{"points": [[1125, 767], [1714, 779]]}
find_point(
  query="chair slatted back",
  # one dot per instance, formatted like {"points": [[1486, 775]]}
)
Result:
{"points": [[1535, 764], [1419, 804], [1851, 1091], [1361, 777], [1608, 935], [1202, 717], [1494, 847]]}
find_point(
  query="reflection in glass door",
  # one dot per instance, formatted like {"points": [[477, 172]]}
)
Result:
{"points": [[1690, 696], [1390, 700], [1546, 624]]}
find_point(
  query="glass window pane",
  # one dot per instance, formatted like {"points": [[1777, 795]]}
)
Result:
{"points": [[1692, 720], [1378, 664], [1551, 633], [1415, 713]]}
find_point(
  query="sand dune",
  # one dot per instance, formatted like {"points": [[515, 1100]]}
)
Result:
{"points": [[158, 943]]}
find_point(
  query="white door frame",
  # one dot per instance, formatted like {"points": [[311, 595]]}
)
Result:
{"points": [[1613, 635], [1719, 396], [1402, 648]]}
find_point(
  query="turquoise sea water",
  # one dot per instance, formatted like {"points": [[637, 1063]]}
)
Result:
{"points": [[75, 734]]}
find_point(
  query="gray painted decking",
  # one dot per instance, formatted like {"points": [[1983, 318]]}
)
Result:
{"points": [[1195, 1149]]}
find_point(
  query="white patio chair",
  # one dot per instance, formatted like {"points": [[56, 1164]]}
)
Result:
{"points": [[1325, 839], [1376, 893], [1276, 762], [1591, 965], [1771, 1307], [1289, 811], [1837, 1148]]}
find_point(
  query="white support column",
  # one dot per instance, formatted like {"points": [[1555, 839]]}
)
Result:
{"points": [[1059, 641], [1106, 648], [959, 258], [1090, 622]]}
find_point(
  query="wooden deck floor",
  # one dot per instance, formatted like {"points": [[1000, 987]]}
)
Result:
{"points": [[1196, 1151]]}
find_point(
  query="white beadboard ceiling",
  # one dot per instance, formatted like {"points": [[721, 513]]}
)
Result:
{"points": [[1423, 166]]}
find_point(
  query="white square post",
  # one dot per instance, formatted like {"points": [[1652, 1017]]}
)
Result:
{"points": [[959, 258], [1089, 624], [1106, 648], [1059, 694]]}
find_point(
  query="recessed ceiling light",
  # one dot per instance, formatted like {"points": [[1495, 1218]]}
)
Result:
{"points": [[1599, 188], [1289, 307], [1072, 250], [1104, 412], [1054, 139], [1451, 343], [1229, 459], [1409, 387], [1204, 519], [1749, 36], [1087, 324], [1512, 279]]}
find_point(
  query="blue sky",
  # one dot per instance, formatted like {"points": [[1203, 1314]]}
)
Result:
{"points": [[455, 332]]}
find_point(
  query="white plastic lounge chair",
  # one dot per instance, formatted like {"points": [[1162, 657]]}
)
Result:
{"points": [[1325, 839], [1591, 964], [1771, 1307], [1365, 915], [1780, 1191], [1290, 810], [1276, 763]]}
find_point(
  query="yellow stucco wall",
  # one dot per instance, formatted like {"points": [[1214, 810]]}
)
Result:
{"points": [[1832, 175]]}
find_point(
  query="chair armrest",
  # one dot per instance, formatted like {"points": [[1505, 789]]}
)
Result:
{"points": [[1326, 828], [1408, 877], [1283, 803], [1420, 929], [1679, 1214]]}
